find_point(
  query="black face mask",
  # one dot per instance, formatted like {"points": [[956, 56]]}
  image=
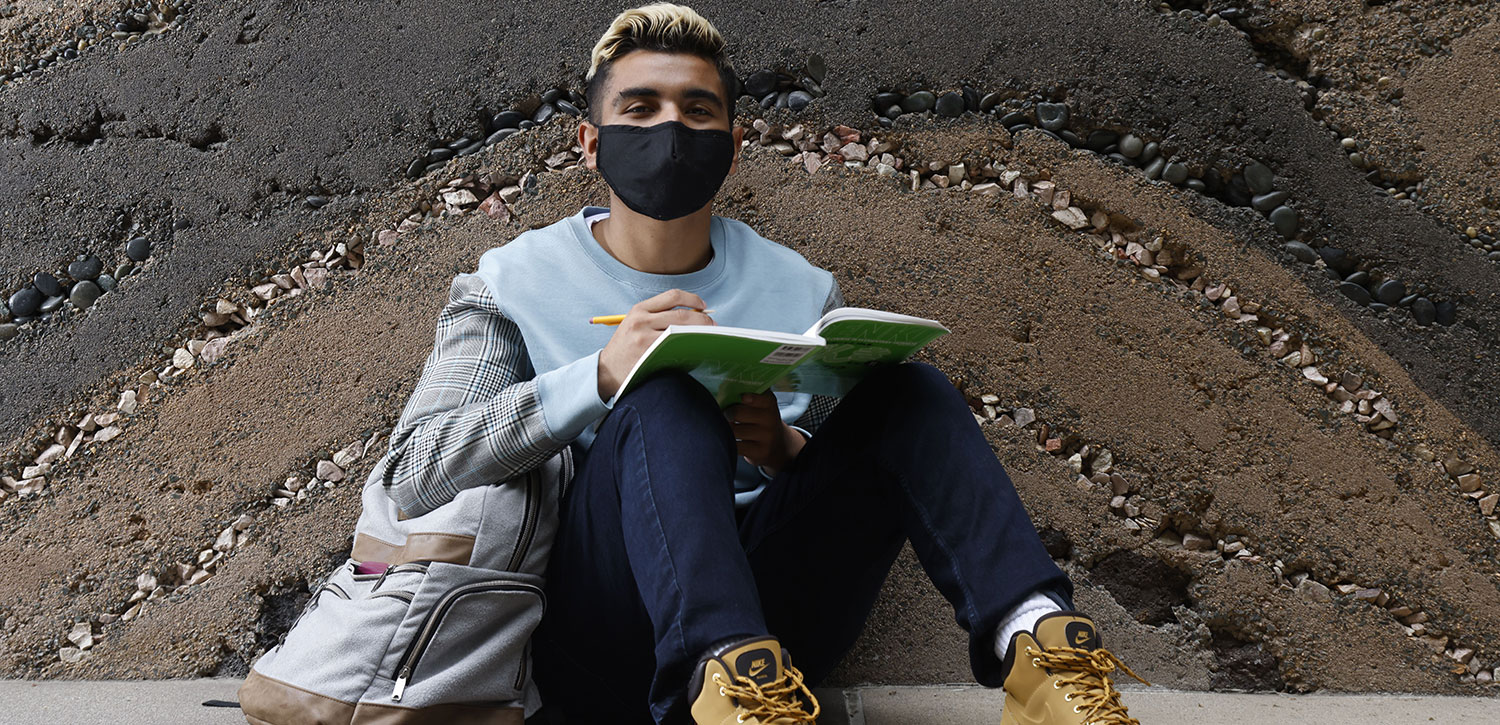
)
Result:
{"points": [[664, 171]]}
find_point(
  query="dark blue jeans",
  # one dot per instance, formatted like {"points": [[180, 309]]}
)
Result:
{"points": [[652, 563]]}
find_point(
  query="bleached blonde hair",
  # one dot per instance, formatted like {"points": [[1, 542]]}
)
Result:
{"points": [[663, 27]]}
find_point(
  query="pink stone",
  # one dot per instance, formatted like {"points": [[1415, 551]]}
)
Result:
{"points": [[494, 207]]}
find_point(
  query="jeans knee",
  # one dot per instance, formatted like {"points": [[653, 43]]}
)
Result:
{"points": [[908, 387], [679, 396]]}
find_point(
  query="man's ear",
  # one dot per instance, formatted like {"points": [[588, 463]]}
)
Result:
{"points": [[739, 136], [588, 140]]}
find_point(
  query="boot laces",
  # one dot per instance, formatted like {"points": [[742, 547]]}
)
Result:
{"points": [[1088, 670], [776, 701]]}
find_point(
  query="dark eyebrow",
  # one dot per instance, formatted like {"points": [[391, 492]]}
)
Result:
{"points": [[649, 92]]}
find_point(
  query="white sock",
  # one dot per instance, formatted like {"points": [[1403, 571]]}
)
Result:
{"points": [[1022, 617]]}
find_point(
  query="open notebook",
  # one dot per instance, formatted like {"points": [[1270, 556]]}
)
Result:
{"points": [[828, 359]]}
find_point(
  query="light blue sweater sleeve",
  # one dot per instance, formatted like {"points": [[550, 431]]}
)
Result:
{"points": [[570, 397]]}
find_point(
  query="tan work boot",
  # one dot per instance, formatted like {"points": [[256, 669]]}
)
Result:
{"points": [[750, 681], [1059, 675]]}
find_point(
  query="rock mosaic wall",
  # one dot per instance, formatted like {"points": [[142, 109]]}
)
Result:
{"points": [[222, 545]]}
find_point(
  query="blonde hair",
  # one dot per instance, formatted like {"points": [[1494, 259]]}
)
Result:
{"points": [[663, 27]]}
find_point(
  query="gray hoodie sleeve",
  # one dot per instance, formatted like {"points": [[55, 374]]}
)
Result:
{"points": [[476, 414]]}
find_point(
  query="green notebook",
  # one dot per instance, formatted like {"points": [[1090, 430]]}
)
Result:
{"points": [[829, 359]]}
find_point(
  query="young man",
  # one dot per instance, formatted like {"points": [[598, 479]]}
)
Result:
{"points": [[697, 550]]}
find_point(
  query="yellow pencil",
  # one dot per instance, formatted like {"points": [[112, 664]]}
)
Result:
{"points": [[615, 319]]}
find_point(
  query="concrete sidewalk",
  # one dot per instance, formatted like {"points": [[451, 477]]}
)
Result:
{"points": [[179, 702]]}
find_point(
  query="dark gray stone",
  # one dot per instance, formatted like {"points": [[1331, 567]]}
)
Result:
{"points": [[919, 102], [315, 202], [84, 294], [798, 100], [1360, 278], [1390, 291], [138, 249], [500, 135], [508, 119], [760, 83], [461, 142], [1267, 202], [553, 95], [1408, 300], [1259, 178], [25, 302], [1303, 253], [87, 268], [1379, 307], [950, 104], [416, 168], [1174, 173], [543, 112], [989, 101], [1423, 311], [1447, 312], [1337, 260], [1196, 185], [1285, 220], [51, 304], [1015, 118], [817, 68], [1131, 146], [1153, 170], [893, 111], [9, 330], [1355, 292], [1052, 116], [971, 99], [885, 100], [106, 282], [1070, 138], [1148, 153], [47, 284], [568, 108], [1100, 139]]}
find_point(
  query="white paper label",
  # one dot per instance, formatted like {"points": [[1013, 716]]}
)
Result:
{"points": [[786, 354]]}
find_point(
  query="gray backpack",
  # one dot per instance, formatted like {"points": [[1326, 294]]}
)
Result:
{"points": [[442, 635]]}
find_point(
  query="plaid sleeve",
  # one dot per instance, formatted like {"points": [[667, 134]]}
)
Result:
{"points": [[475, 417], [821, 406]]}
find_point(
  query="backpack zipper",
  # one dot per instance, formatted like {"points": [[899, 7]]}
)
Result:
{"points": [[528, 523], [525, 657], [312, 603], [408, 661], [565, 476]]}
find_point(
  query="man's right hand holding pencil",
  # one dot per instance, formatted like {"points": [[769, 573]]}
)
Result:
{"points": [[639, 328]]}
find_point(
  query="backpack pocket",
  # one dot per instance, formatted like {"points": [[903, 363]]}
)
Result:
{"points": [[335, 647], [464, 640]]}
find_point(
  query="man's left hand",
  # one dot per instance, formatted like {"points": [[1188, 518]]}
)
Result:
{"points": [[762, 437]]}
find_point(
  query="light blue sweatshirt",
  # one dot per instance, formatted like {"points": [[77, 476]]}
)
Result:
{"points": [[551, 280]]}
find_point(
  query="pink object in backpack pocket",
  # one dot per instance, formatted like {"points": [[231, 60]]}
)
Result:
{"points": [[371, 567]]}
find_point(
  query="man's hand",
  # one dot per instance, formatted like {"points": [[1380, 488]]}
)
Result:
{"points": [[645, 321], [762, 437]]}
